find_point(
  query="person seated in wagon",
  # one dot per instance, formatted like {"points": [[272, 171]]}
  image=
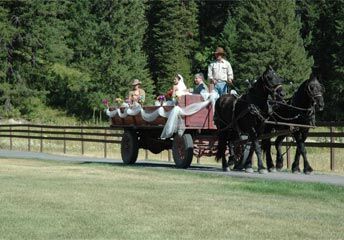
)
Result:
{"points": [[179, 88], [200, 86], [137, 95]]}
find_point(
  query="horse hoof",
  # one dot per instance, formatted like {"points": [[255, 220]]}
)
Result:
{"points": [[238, 167], [225, 169], [279, 169], [272, 170], [249, 170], [263, 171], [296, 171], [308, 172]]}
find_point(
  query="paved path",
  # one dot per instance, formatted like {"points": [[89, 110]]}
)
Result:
{"points": [[315, 178]]}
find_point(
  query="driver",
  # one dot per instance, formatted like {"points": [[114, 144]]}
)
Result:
{"points": [[220, 72]]}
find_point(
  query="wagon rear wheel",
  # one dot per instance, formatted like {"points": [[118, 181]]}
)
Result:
{"points": [[129, 147], [182, 150]]}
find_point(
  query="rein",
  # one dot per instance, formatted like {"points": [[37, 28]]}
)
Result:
{"points": [[252, 108], [291, 106]]}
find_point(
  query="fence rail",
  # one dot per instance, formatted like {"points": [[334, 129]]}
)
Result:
{"points": [[40, 132], [106, 135]]}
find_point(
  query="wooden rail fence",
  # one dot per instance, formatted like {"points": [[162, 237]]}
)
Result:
{"points": [[331, 139]]}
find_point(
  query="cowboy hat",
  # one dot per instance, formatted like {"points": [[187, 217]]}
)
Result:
{"points": [[219, 50], [136, 82]]}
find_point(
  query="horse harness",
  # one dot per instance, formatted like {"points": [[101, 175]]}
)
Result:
{"points": [[252, 109]]}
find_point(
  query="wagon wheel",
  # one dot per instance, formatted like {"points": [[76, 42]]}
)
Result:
{"points": [[129, 147], [182, 150]]}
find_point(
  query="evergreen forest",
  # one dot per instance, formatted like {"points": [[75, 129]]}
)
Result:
{"points": [[68, 55]]}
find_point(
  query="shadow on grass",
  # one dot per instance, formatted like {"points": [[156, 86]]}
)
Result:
{"points": [[151, 164]]}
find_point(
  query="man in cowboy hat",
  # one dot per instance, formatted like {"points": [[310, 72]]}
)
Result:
{"points": [[137, 95], [220, 72]]}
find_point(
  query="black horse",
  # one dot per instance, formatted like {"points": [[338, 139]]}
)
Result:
{"points": [[235, 117], [300, 109]]}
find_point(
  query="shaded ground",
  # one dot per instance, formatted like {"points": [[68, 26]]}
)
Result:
{"points": [[284, 176]]}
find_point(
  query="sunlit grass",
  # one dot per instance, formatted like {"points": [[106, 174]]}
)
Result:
{"points": [[53, 200]]}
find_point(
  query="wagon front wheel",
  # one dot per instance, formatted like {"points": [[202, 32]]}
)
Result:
{"points": [[182, 150], [129, 147]]}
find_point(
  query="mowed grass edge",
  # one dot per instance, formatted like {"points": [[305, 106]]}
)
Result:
{"points": [[55, 200]]}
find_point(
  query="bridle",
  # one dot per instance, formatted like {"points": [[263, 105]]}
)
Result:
{"points": [[313, 96], [272, 89]]}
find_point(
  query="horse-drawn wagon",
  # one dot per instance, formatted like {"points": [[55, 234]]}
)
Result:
{"points": [[187, 128]]}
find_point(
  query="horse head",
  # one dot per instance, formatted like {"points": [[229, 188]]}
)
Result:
{"points": [[273, 83], [315, 91]]}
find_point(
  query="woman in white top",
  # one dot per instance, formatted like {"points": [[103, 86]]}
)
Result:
{"points": [[179, 88]]}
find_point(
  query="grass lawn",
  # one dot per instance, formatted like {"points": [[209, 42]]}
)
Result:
{"points": [[54, 200]]}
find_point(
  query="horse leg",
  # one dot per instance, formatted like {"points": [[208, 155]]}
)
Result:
{"points": [[266, 146], [279, 156], [258, 151], [231, 158], [307, 169], [241, 157], [295, 168], [247, 158], [221, 149]]}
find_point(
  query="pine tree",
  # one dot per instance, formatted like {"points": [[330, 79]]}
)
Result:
{"points": [[338, 62], [107, 40], [121, 33], [228, 39], [6, 30], [323, 23], [213, 18], [171, 41], [269, 34], [329, 55], [36, 41]]}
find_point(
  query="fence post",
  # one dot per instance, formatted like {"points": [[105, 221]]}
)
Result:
{"points": [[146, 154], [82, 141], [10, 138], [169, 155], [28, 139], [64, 141], [288, 152], [332, 140], [41, 149], [105, 146]]}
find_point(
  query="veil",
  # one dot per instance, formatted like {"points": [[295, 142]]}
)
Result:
{"points": [[181, 85]]}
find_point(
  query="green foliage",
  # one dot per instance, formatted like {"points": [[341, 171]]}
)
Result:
{"points": [[268, 32], [331, 40], [110, 47], [323, 21], [33, 44], [18, 100], [71, 54], [228, 39], [212, 19], [6, 35], [173, 38]]}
